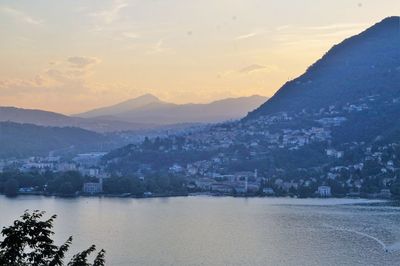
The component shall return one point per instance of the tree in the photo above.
(28, 242)
(11, 187)
(395, 189)
(66, 188)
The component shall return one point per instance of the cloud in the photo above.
(130, 35)
(158, 47)
(257, 68)
(291, 32)
(111, 14)
(63, 76)
(65, 85)
(246, 36)
(250, 34)
(316, 36)
(337, 26)
(20, 15)
(82, 61)
(328, 27)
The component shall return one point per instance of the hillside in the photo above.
(143, 113)
(24, 140)
(46, 118)
(364, 65)
(337, 124)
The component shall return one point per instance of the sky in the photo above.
(71, 56)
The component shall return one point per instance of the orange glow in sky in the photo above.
(71, 56)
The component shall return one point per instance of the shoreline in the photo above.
(197, 194)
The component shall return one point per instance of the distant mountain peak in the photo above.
(147, 96)
(124, 106)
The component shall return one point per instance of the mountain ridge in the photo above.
(21, 140)
(52, 119)
(375, 48)
(149, 115)
(163, 113)
(126, 105)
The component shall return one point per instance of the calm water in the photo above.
(223, 231)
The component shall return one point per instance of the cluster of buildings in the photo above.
(257, 140)
(87, 164)
(249, 183)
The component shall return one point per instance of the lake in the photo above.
(223, 230)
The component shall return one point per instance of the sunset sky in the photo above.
(70, 56)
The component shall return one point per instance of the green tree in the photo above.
(28, 242)
(395, 189)
(11, 187)
(67, 188)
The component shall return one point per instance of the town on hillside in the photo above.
(285, 154)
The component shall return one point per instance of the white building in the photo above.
(89, 159)
(176, 168)
(93, 188)
(204, 183)
(268, 191)
(324, 191)
(334, 153)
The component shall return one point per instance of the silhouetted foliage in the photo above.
(28, 242)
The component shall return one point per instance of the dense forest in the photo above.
(24, 140)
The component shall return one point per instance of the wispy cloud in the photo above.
(246, 36)
(69, 73)
(82, 61)
(112, 13)
(251, 68)
(321, 30)
(295, 35)
(20, 15)
(158, 47)
(130, 35)
(257, 68)
(250, 34)
(337, 26)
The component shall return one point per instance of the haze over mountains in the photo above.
(150, 109)
(27, 132)
(51, 119)
(142, 113)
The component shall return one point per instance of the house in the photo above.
(334, 153)
(176, 168)
(93, 188)
(324, 191)
(204, 183)
(191, 170)
(89, 159)
(26, 190)
(268, 191)
(240, 187)
(253, 187)
(222, 188)
(385, 193)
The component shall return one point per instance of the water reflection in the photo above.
(223, 231)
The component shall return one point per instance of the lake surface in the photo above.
(223, 231)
